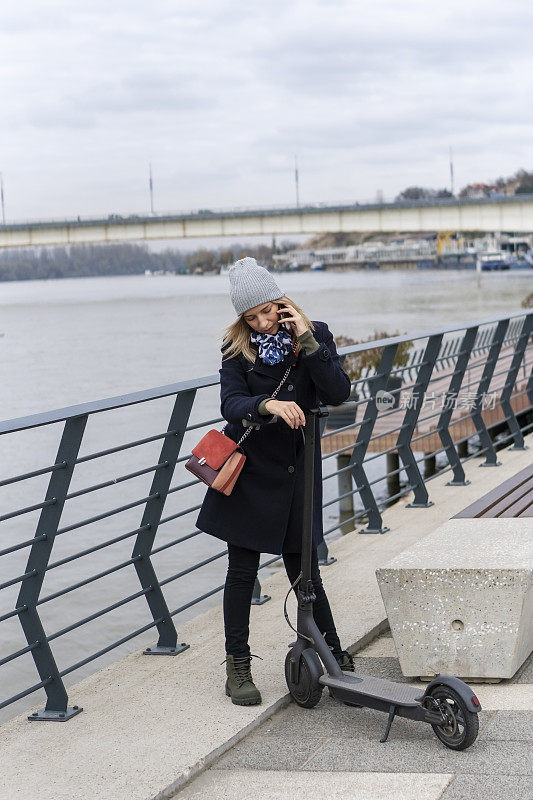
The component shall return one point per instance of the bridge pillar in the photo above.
(430, 465)
(393, 475)
(462, 449)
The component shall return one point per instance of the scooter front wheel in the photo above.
(305, 691)
(460, 726)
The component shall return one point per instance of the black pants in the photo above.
(242, 572)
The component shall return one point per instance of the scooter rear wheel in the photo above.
(461, 727)
(306, 692)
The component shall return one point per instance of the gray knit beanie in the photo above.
(251, 285)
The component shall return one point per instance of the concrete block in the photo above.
(461, 600)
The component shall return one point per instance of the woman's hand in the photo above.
(289, 314)
(287, 410)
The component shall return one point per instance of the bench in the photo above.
(512, 498)
(461, 600)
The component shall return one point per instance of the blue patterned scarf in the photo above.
(273, 347)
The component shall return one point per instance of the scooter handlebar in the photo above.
(319, 411)
(246, 423)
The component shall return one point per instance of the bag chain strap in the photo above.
(272, 396)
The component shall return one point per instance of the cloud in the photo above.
(221, 95)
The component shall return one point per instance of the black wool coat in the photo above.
(264, 511)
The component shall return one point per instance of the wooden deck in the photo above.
(425, 437)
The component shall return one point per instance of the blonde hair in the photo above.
(236, 339)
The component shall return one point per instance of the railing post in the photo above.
(324, 558)
(452, 393)
(510, 380)
(345, 487)
(257, 598)
(488, 371)
(379, 381)
(529, 387)
(168, 636)
(56, 696)
(403, 445)
(444, 356)
(344, 484)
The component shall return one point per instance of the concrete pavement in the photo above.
(333, 751)
(151, 724)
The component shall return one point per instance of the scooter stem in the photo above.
(307, 522)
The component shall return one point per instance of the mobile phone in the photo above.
(286, 325)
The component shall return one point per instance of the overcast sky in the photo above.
(220, 95)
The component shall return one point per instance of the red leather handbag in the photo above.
(217, 460)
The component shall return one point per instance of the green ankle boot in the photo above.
(345, 661)
(239, 685)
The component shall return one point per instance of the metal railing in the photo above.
(51, 538)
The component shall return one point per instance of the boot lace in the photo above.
(242, 668)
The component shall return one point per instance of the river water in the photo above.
(64, 342)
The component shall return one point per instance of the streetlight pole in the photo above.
(451, 170)
(2, 198)
(151, 185)
(296, 182)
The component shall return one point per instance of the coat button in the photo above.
(290, 469)
(324, 354)
(290, 387)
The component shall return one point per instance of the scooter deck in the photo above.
(377, 688)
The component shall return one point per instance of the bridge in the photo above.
(449, 214)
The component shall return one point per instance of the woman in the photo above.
(272, 339)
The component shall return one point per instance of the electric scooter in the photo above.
(447, 703)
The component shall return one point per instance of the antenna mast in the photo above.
(2, 198)
(451, 170)
(151, 185)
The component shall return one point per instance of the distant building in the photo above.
(476, 191)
